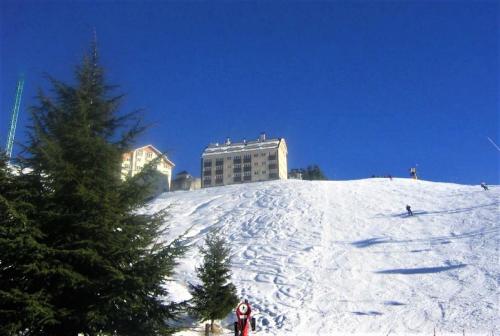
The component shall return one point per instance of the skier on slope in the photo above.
(485, 187)
(408, 209)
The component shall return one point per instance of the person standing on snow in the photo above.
(408, 208)
(485, 187)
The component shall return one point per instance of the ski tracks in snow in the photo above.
(340, 257)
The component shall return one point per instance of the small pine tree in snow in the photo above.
(216, 296)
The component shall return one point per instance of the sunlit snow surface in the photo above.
(323, 258)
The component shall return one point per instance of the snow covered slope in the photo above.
(319, 258)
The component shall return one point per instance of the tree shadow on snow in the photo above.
(450, 211)
(369, 242)
(394, 303)
(439, 240)
(368, 313)
(422, 270)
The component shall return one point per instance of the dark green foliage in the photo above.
(93, 264)
(216, 296)
(312, 172)
(22, 302)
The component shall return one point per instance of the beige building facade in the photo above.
(134, 161)
(232, 163)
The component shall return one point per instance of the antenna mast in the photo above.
(15, 113)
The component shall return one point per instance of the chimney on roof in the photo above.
(262, 136)
(228, 142)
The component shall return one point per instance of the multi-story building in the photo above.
(247, 161)
(134, 161)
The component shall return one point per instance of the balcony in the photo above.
(235, 161)
(273, 166)
(237, 170)
(207, 173)
(247, 169)
(247, 159)
(272, 157)
(219, 172)
(207, 164)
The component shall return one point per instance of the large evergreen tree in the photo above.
(103, 265)
(216, 296)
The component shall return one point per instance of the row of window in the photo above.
(237, 159)
(148, 154)
(237, 168)
(247, 176)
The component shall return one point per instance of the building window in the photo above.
(256, 172)
(207, 163)
(149, 155)
(237, 159)
(139, 153)
(256, 155)
(262, 154)
(219, 162)
(228, 158)
(273, 166)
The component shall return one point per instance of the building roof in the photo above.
(164, 156)
(215, 149)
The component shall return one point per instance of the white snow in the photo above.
(324, 258)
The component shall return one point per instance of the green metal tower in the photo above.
(15, 113)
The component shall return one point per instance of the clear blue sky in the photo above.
(359, 88)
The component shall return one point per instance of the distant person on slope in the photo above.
(408, 208)
(485, 187)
